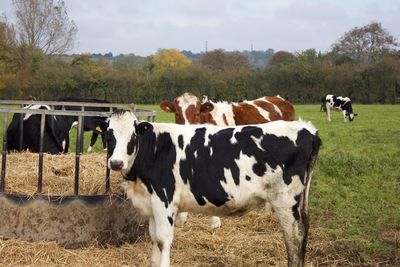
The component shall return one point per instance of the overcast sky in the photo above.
(142, 27)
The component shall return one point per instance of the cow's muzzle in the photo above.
(116, 165)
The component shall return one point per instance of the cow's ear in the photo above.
(207, 107)
(143, 127)
(167, 106)
(355, 114)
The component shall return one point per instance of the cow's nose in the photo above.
(116, 165)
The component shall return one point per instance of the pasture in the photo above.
(354, 209)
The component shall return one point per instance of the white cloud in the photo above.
(141, 27)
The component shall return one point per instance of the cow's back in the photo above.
(262, 110)
(286, 108)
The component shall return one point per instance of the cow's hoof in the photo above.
(215, 222)
(181, 219)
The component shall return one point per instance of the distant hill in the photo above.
(257, 58)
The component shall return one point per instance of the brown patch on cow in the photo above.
(179, 119)
(167, 106)
(286, 108)
(225, 120)
(247, 114)
(273, 114)
(206, 117)
(193, 114)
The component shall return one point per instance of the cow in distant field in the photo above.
(338, 103)
(56, 132)
(171, 168)
(189, 109)
(98, 125)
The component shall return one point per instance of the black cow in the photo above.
(172, 168)
(56, 131)
(338, 103)
(98, 125)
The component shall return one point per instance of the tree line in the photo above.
(363, 64)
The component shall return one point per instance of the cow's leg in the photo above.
(103, 140)
(164, 219)
(344, 115)
(66, 145)
(181, 219)
(92, 141)
(215, 222)
(155, 254)
(295, 229)
(328, 112)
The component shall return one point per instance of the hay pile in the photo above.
(59, 174)
(252, 240)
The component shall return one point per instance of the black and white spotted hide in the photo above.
(338, 103)
(171, 168)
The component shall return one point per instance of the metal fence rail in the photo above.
(62, 103)
(150, 115)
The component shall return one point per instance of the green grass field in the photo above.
(356, 184)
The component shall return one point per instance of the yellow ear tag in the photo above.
(98, 129)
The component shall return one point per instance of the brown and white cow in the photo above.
(189, 109)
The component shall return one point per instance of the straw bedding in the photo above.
(251, 240)
(58, 174)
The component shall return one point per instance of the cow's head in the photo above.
(122, 139)
(187, 108)
(351, 115)
(349, 111)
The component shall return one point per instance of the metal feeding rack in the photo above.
(70, 220)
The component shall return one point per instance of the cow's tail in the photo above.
(316, 143)
(305, 225)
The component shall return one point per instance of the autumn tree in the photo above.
(280, 57)
(6, 57)
(8, 67)
(219, 60)
(168, 59)
(365, 44)
(86, 78)
(44, 25)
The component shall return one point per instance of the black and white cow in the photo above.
(98, 125)
(56, 132)
(338, 103)
(171, 168)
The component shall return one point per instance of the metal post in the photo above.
(78, 153)
(40, 176)
(107, 175)
(4, 153)
(21, 131)
(82, 130)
